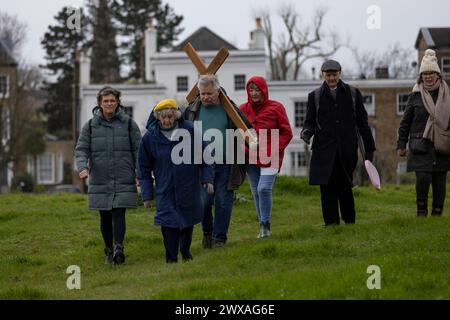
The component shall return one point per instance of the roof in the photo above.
(6, 56)
(434, 37)
(205, 40)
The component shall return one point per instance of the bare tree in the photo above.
(12, 29)
(267, 27)
(19, 125)
(400, 62)
(298, 44)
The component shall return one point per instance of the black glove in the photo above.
(369, 156)
(306, 136)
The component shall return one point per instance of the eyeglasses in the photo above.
(109, 101)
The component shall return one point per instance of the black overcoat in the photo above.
(337, 133)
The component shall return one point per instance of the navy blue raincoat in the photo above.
(177, 186)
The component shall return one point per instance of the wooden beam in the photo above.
(195, 58)
(235, 117)
(229, 108)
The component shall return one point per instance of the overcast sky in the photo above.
(233, 19)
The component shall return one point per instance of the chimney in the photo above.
(257, 38)
(382, 73)
(85, 68)
(151, 42)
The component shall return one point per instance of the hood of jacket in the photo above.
(261, 83)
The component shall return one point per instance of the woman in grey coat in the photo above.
(106, 153)
(427, 112)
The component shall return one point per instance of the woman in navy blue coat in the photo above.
(178, 178)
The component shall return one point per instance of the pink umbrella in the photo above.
(373, 174)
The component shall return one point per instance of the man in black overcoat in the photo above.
(335, 113)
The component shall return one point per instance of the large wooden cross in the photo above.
(213, 67)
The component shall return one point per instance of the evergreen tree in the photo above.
(105, 65)
(133, 16)
(61, 44)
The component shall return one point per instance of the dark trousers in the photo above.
(438, 180)
(112, 226)
(222, 199)
(337, 194)
(175, 239)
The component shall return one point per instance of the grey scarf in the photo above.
(439, 112)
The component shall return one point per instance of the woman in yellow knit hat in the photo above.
(177, 185)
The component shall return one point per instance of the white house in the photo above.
(172, 75)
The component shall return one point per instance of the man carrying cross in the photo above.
(209, 111)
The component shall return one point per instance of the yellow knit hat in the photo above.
(166, 104)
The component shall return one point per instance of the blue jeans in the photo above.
(222, 199)
(261, 187)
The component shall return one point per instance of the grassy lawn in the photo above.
(42, 235)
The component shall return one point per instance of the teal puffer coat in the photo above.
(108, 149)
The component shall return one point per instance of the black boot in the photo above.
(207, 240)
(422, 208)
(187, 257)
(119, 256)
(108, 255)
(436, 211)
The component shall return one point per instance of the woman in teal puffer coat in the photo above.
(106, 153)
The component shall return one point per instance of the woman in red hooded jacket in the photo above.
(274, 133)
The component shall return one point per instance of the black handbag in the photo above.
(417, 144)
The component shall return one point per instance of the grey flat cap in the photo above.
(331, 65)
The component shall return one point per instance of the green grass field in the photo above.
(42, 235)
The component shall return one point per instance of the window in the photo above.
(46, 164)
(239, 82)
(298, 163)
(402, 100)
(446, 67)
(4, 86)
(369, 103)
(129, 111)
(300, 113)
(401, 167)
(301, 159)
(182, 84)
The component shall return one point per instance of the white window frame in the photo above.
(400, 113)
(2, 94)
(239, 88)
(445, 62)
(371, 111)
(179, 78)
(60, 168)
(296, 169)
(6, 134)
(39, 179)
(305, 102)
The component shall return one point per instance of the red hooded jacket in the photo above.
(268, 115)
